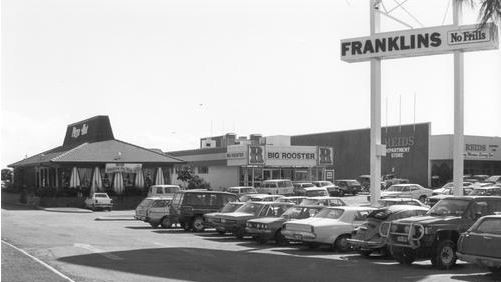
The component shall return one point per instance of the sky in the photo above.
(169, 72)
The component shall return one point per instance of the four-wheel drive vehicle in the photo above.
(366, 238)
(435, 235)
(99, 201)
(163, 190)
(189, 207)
(269, 228)
(481, 244)
(348, 186)
(159, 213)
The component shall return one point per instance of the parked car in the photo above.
(241, 190)
(163, 190)
(142, 208)
(434, 236)
(445, 193)
(323, 201)
(481, 244)
(189, 207)
(213, 219)
(348, 186)
(269, 228)
(259, 197)
(277, 186)
(291, 199)
(366, 238)
(386, 202)
(391, 179)
(414, 191)
(235, 222)
(493, 190)
(480, 177)
(159, 213)
(299, 187)
(494, 179)
(99, 201)
(332, 226)
(447, 189)
(331, 188)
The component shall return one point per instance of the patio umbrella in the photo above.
(139, 182)
(75, 178)
(97, 184)
(118, 183)
(159, 179)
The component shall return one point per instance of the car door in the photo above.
(484, 239)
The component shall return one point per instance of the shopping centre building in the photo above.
(411, 153)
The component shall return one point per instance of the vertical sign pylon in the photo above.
(375, 150)
(458, 144)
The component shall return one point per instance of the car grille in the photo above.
(229, 221)
(298, 227)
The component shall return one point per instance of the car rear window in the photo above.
(330, 213)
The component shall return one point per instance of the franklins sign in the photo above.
(420, 42)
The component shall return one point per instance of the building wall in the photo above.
(407, 145)
(219, 176)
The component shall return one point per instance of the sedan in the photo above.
(332, 226)
(414, 191)
(481, 244)
(213, 219)
(269, 228)
(235, 222)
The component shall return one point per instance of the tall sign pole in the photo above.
(458, 145)
(375, 150)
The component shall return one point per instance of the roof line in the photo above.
(69, 151)
(161, 154)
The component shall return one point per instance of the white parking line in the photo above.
(40, 262)
(97, 251)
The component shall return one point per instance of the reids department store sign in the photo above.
(420, 42)
(122, 167)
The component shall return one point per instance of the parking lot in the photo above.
(120, 249)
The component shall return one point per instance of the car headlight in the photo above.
(428, 230)
(407, 228)
(394, 228)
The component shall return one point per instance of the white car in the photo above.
(332, 226)
(414, 191)
(99, 201)
(323, 201)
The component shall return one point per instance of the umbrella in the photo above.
(139, 179)
(159, 179)
(118, 183)
(96, 181)
(74, 179)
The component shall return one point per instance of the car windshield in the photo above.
(330, 213)
(396, 188)
(146, 203)
(300, 212)
(229, 207)
(448, 185)
(100, 195)
(380, 214)
(454, 207)
(253, 208)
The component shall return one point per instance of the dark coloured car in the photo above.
(348, 186)
(493, 190)
(189, 207)
(366, 239)
(269, 228)
(481, 244)
(235, 222)
(213, 219)
(435, 235)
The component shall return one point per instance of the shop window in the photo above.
(203, 169)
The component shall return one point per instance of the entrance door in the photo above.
(269, 173)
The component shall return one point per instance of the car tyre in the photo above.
(445, 256)
(154, 225)
(198, 224)
(341, 243)
(280, 239)
(166, 223)
(403, 255)
(186, 226)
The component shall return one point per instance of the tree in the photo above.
(185, 173)
(7, 174)
(197, 182)
(490, 10)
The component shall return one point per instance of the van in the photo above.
(163, 190)
(277, 186)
